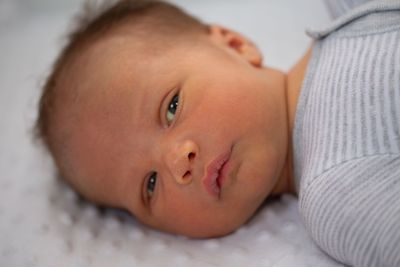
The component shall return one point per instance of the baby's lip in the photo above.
(213, 174)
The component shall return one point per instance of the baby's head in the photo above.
(149, 110)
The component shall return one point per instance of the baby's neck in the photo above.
(294, 81)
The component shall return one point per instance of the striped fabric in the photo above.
(347, 138)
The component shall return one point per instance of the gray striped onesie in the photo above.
(346, 137)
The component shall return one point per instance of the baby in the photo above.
(150, 110)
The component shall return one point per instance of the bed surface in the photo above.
(43, 223)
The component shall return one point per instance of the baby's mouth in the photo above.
(214, 178)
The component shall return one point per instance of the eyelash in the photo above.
(173, 104)
(152, 181)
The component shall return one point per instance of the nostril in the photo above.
(191, 155)
(186, 174)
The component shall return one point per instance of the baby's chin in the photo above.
(203, 232)
(211, 234)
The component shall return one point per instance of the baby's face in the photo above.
(191, 141)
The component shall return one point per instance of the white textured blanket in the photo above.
(42, 223)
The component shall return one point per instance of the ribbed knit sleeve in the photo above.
(353, 211)
(347, 138)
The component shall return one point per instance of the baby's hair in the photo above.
(145, 19)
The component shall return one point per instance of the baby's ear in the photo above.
(237, 42)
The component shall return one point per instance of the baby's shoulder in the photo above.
(361, 18)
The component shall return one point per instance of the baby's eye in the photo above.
(171, 110)
(151, 184)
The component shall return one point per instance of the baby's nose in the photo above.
(180, 161)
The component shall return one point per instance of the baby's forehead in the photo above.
(119, 63)
(101, 65)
